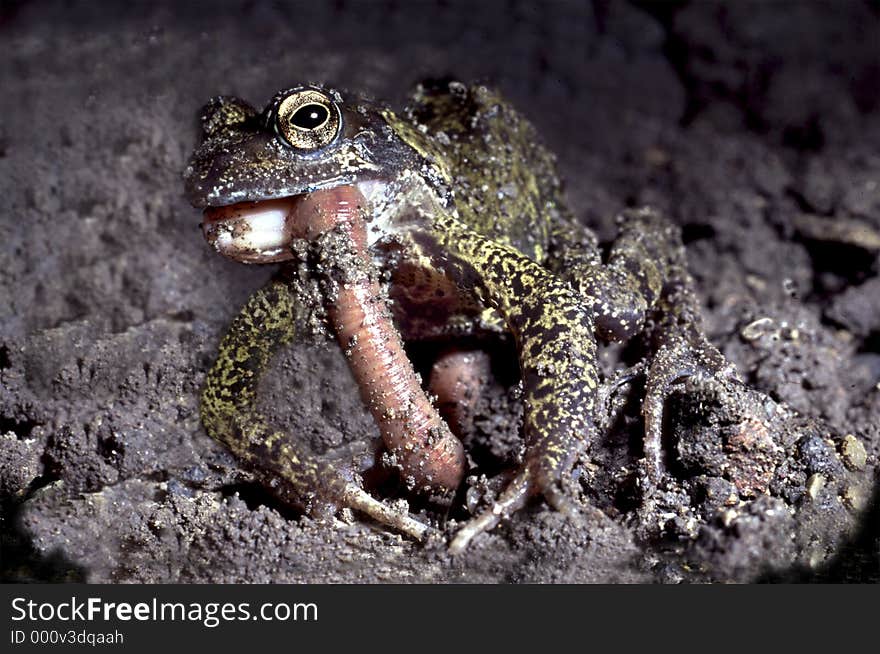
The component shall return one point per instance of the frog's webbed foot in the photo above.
(647, 264)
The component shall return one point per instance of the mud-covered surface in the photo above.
(755, 127)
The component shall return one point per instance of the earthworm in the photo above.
(427, 452)
(457, 377)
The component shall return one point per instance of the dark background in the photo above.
(737, 119)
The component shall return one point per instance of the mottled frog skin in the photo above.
(468, 231)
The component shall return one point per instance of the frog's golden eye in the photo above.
(308, 120)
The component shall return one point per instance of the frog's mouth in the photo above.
(252, 232)
(261, 231)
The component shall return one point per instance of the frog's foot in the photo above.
(516, 494)
(677, 360)
(323, 488)
(512, 498)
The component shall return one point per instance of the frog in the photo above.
(435, 223)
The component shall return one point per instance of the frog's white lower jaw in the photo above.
(261, 232)
(252, 232)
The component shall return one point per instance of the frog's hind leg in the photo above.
(651, 252)
(645, 275)
(229, 413)
(681, 351)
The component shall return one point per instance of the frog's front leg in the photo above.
(557, 352)
(228, 410)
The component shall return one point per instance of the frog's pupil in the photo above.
(310, 116)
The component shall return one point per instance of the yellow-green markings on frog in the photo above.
(229, 413)
(467, 227)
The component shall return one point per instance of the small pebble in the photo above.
(853, 452)
(854, 498)
(727, 517)
(817, 557)
(815, 484)
(757, 328)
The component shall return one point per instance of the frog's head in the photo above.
(250, 165)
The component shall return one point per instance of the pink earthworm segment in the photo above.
(427, 452)
(458, 376)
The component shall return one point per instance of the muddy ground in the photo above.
(755, 127)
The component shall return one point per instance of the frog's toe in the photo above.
(514, 497)
(358, 499)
